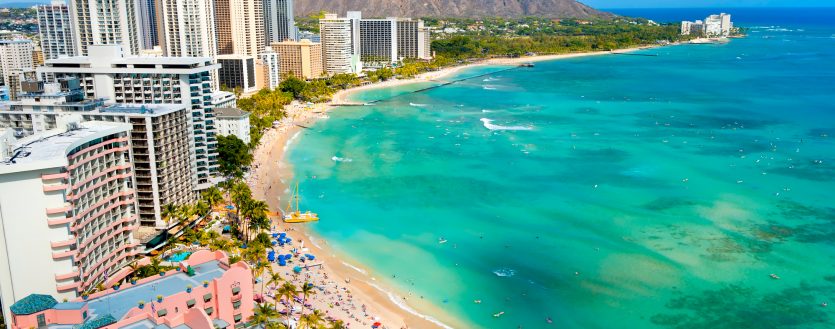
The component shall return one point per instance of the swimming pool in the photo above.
(179, 257)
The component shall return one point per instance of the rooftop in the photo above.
(53, 145)
(230, 112)
(15, 41)
(141, 109)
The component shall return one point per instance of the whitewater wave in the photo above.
(486, 111)
(490, 79)
(355, 268)
(417, 105)
(488, 87)
(291, 140)
(487, 124)
(505, 272)
(400, 303)
(340, 159)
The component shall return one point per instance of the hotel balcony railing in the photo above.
(59, 210)
(58, 244)
(65, 254)
(70, 275)
(69, 286)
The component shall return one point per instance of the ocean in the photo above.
(687, 189)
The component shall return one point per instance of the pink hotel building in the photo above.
(214, 295)
(67, 210)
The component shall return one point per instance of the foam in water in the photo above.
(355, 268)
(340, 159)
(417, 105)
(400, 303)
(505, 272)
(489, 87)
(487, 124)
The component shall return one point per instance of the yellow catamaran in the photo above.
(294, 214)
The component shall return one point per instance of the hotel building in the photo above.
(412, 39)
(272, 68)
(107, 74)
(279, 24)
(301, 58)
(115, 22)
(378, 42)
(69, 222)
(232, 121)
(337, 35)
(204, 292)
(55, 30)
(149, 23)
(188, 28)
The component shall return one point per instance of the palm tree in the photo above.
(312, 320)
(201, 208)
(255, 210)
(307, 290)
(264, 314)
(273, 280)
(213, 196)
(337, 324)
(168, 211)
(287, 290)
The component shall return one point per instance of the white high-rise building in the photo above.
(15, 55)
(279, 24)
(272, 67)
(106, 22)
(378, 42)
(718, 25)
(188, 28)
(68, 210)
(107, 73)
(338, 45)
(55, 30)
(149, 24)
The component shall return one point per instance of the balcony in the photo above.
(51, 188)
(59, 221)
(59, 210)
(58, 244)
(69, 286)
(63, 175)
(65, 254)
(66, 276)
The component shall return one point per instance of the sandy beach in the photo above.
(271, 176)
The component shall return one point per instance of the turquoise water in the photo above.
(603, 192)
(179, 257)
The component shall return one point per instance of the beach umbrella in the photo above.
(273, 243)
(297, 269)
(275, 235)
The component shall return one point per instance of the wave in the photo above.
(487, 124)
(400, 303)
(488, 87)
(505, 272)
(486, 111)
(417, 105)
(290, 141)
(355, 268)
(490, 79)
(339, 159)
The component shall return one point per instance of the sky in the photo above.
(706, 3)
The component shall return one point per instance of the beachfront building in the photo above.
(279, 24)
(232, 121)
(272, 68)
(114, 22)
(14, 55)
(162, 155)
(237, 72)
(69, 219)
(107, 73)
(240, 27)
(205, 292)
(337, 35)
(378, 42)
(55, 30)
(412, 39)
(718, 25)
(302, 59)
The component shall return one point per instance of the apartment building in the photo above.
(14, 55)
(233, 121)
(188, 28)
(107, 73)
(378, 42)
(302, 59)
(240, 27)
(237, 71)
(113, 22)
(70, 219)
(272, 67)
(55, 30)
(149, 23)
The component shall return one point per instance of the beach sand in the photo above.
(270, 179)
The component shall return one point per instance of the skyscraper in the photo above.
(337, 45)
(279, 24)
(378, 42)
(106, 22)
(149, 23)
(107, 73)
(55, 30)
(188, 28)
(240, 27)
(302, 59)
(412, 39)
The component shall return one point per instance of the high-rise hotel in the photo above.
(107, 73)
(55, 30)
(113, 22)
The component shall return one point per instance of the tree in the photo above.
(264, 314)
(312, 320)
(213, 196)
(337, 324)
(232, 156)
(168, 212)
(293, 85)
(307, 290)
(274, 280)
(287, 290)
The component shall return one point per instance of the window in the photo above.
(41, 320)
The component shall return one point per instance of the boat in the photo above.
(294, 214)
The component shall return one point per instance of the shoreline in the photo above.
(272, 173)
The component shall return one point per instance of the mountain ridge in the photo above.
(451, 8)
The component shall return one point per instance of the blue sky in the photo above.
(706, 3)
